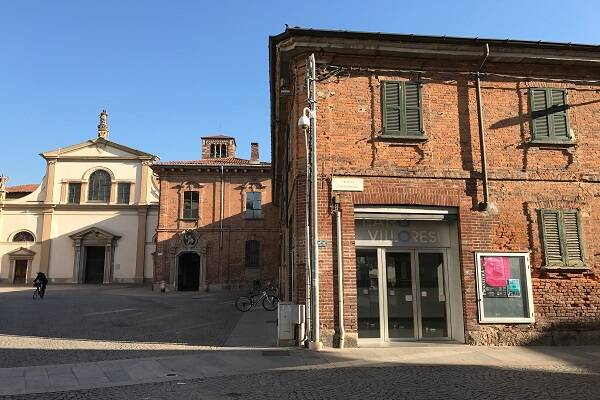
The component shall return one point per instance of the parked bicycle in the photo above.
(266, 296)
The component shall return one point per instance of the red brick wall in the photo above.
(445, 170)
(225, 259)
(230, 143)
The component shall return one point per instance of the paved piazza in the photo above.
(89, 342)
(74, 324)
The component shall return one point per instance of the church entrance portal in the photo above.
(94, 264)
(188, 272)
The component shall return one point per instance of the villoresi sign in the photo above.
(402, 233)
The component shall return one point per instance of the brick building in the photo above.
(465, 174)
(217, 225)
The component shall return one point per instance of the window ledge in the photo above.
(259, 218)
(189, 219)
(558, 143)
(564, 268)
(402, 138)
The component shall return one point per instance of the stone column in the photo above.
(49, 199)
(140, 257)
(47, 219)
(28, 272)
(63, 192)
(203, 285)
(107, 264)
(11, 271)
(144, 182)
(113, 192)
(172, 264)
(84, 189)
(77, 263)
(132, 193)
(46, 240)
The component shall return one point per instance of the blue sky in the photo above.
(169, 72)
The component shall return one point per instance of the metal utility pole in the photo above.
(314, 255)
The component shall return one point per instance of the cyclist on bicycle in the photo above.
(42, 281)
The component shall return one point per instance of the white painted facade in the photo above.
(57, 222)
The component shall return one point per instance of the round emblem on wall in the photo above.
(189, 239)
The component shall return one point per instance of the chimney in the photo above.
(254, 153)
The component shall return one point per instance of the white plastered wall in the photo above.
(80, 170)
(11, 222)
(77, 165)
(120, 223)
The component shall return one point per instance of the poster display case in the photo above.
(504, 291)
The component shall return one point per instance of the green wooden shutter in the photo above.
(553, 248)
(559, 125)
(401, 108)
(549, 117)
(413, 108)
(572, 238)
(391, 106)
(539, 116)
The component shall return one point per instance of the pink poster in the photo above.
(497, 270)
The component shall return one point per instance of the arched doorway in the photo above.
(188, 271)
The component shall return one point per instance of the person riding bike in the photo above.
(42, 281)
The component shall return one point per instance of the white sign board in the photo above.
(343, 184)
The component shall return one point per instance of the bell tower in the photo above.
(218, 146)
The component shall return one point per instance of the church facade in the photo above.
(217, 225)
(91, 220)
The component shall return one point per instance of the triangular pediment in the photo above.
(94, 233)
(97, 148)
(21, 252)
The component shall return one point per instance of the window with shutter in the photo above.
(401, 109)
(572, 238)
(549, 117)
(562, 238)
(253, 205)
(252, 254)
(123, 192)
(191, 204)
(74, 193)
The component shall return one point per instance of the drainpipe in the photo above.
(221, 224)
(340, 272)
(222, 205)
(307, 237)
(484, 205)
(312, 103)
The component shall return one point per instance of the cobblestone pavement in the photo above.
(384, 382)
(129, 343)
(75, 324)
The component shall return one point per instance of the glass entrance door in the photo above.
(401, 294)
(367, 296)
(432, 295)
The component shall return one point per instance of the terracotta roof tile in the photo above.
(22, 188)
(215, 161)
(217, 137)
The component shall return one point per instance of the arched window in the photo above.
(23, 236)
(99, 186)
(218, 150)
